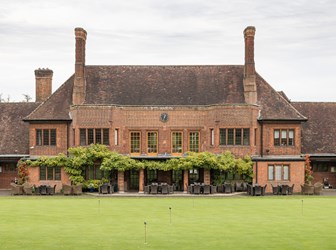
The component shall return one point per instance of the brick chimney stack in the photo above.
(78, 95)
(43, 84)
(250, 88)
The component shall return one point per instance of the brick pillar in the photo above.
(141, 180)
(249, 81)
(206, 176)
(121, 181)
(78, 94)
(185, 181)
(43, 84)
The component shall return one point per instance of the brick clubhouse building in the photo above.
(160, 112)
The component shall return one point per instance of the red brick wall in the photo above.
(268, 140)
(34, 179)
(61, 140)
(296, 175)
(183, 119)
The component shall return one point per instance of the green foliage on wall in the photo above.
(99, 155)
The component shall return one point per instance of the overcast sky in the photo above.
(295, 43)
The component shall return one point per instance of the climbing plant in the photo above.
(99, 155)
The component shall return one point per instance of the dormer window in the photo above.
(283, 137)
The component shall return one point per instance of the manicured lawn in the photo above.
(296, 222)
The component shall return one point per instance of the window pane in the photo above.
(212, 137)
(82, 137)
(283, 137)
(276, 137)
(43, 174)
(291, 137)
(246, 136)
(230, 136)
(98, 173)
(151, 176)
(50, 173)
(106, 136)
(271, 172)
(286, 173)
(46, 137)
(53, 137)
(90, 136)
(38, 137)
(222, 136)
(57, 173)
(116, 137)
(135, 142)
(98, 137)
(152, 142)
(238, 136)
(177, 142)
(194, 141)
(278, 173)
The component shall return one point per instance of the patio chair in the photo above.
(164, 189)
(275, 189)
(227, 188)
(238, 186)
(51, 190)
(257, 190)
(154, 189)
(326, 183)
(197, 189)
(290, 189)
(249, 189)
(77, 189)
(263, 190)
(27, 188)
(67, 189)
(244, 186)
(147, 189)
(43, 190)
(104, 189)
(206, 189)
(318, 188)
(213, 189)
(16, 189)
(171, 189)
(284, 189)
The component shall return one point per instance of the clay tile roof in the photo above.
(164, 85)
(14, 133)
(57, 106)
(275, 105)
(319, 132)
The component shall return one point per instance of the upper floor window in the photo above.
(88, 136)
(177, 142)
(194, 141)
(46, 137)
(234, 136)
(283, 137)
(152, 142)
(135, 142)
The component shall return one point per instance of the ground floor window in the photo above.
(50, 173)
(194, 176)
(278, 172)
(151, 176)
(93, 173)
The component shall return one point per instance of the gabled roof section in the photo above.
(57, 106)
(319, 132)
(275, 106)
(14, 133)
(164, 85)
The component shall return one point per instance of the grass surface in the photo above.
(296, 222)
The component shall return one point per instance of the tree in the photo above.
(27, 98)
